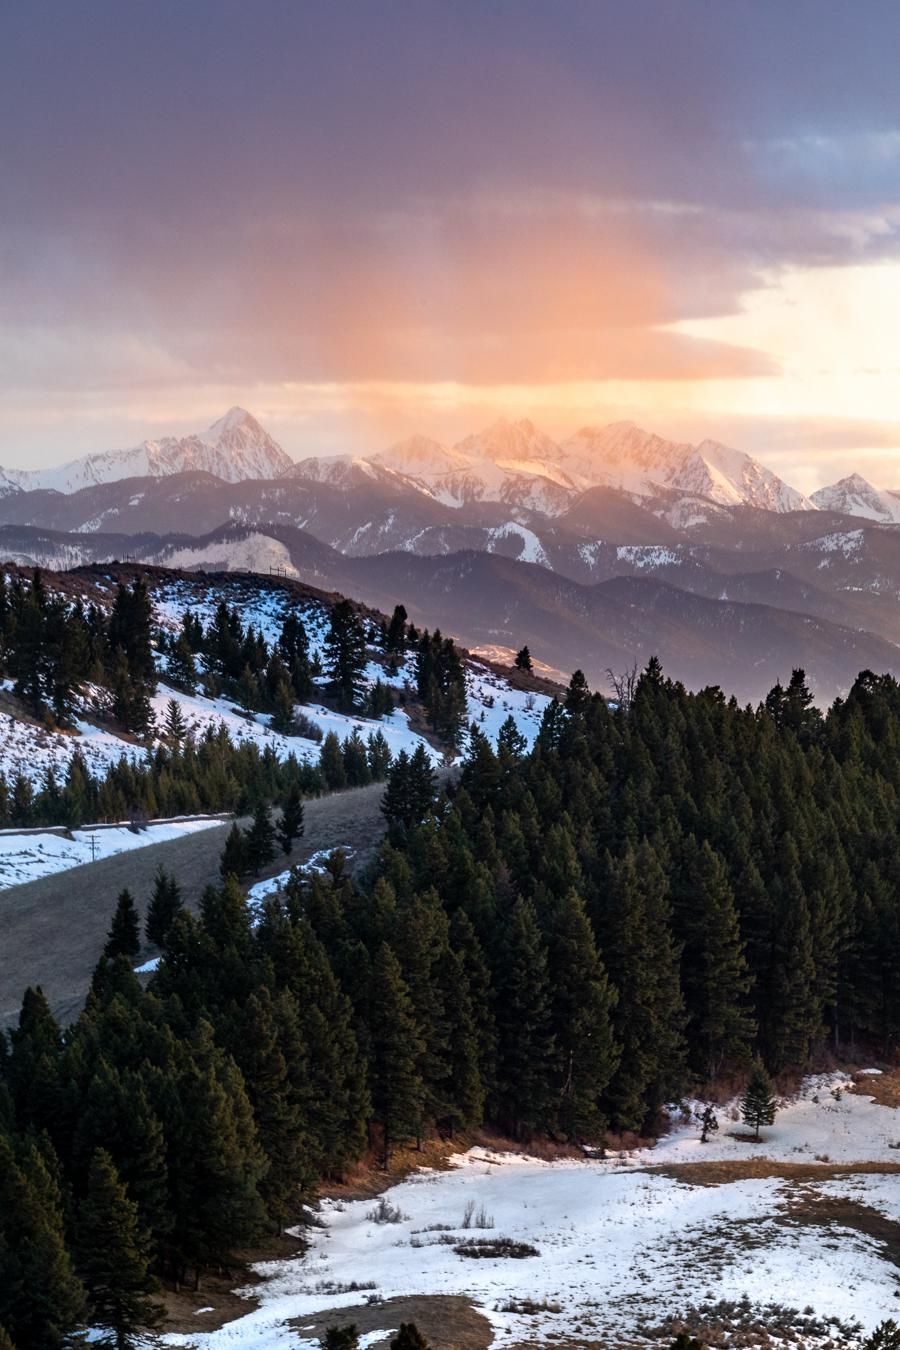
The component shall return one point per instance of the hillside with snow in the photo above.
(35, 753)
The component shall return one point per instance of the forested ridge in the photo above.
(563, 942)
(67, 660)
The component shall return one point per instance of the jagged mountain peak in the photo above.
(623, 455)
(235, 448)
(856, 496)
(235, 417)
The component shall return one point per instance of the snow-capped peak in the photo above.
(234, 448)
(855, 496)
(624, 456)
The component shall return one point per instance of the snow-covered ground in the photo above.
(201, 713)
(621, 1248)
(491, 699)
(272, 885)
(27, 856)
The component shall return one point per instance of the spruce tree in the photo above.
(395, 638)
(165, 903)
(527, 1055)
(331, 763)
(41, 1298)
(174, 725)
(886, 1336)
(398, 1093)
(523, 660)
(181, 669)
(260, 840)
(715, 978)
(234, 861)
(124, 938)
(290, 826)
(582, 1001)
(114, 1257)
(709, 1123)
(758, 1104)
(642, 960)
(345, 649)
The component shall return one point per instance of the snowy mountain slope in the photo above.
(234, 549)
(510, 462)
(624, 456)
(855, 496)
(234, 448)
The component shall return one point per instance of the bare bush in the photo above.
(385, 1212)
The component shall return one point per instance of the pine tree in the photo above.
(378, 754)
(886, 1336)
(174, 726)
(181, 669)
(758, 1104)
(715, 978)
(234, 855)
(527, 1056)
(523, 660)
(41, 1298)
(395, 638)
(260, 840)
(409, 1338)
(114, 1257)
(709, 1123)
(396, 804)
(582, 1001)
(164, 905)
(216, 1163)
(345, 648)
(283, 717)
(277, 1113)
(642, 960)
(290, 826)
(356, 765)
(124, 938)
(331, 763)
(398, 1093)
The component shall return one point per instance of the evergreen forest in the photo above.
(660, 893)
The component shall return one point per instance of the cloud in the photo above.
(226, 197)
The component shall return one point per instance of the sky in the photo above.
(363, 218)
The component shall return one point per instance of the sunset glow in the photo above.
(577, 214)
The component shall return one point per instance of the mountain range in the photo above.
(234, 448)
(597, 550)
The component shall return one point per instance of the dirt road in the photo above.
(52, 930)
